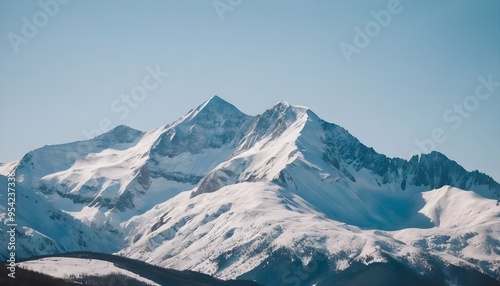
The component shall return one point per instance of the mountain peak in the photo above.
(120, 134)
(285, 104)
(213, 107)
(212, 124)
(217, 98)
(216, 102)
(282, 103)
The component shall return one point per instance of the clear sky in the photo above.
(64, 68)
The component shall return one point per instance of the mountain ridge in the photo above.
(256, 184)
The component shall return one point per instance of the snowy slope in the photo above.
(466, 229)
(221, 192)
(245, 222)
(5, 168)
(242, 223)
(42, 228)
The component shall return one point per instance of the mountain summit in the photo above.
(254, 197)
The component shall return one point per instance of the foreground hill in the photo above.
(104, 269)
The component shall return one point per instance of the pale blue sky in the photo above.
(65, 78)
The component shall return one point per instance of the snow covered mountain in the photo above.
(263, 197)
